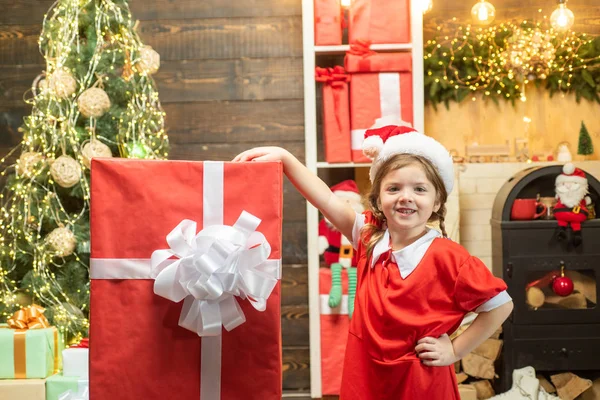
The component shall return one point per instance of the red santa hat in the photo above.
(347, 189)
(382, 143)
(571, 174)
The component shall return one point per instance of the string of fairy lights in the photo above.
(499, 61)
(96, 98)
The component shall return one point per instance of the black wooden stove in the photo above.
(549, 338)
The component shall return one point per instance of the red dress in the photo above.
(392, 314)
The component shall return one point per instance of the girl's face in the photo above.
(407, 199)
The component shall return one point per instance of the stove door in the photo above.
(542, 294)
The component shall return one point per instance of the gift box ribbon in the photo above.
(209, 270)
(337, 79)
(30, 317)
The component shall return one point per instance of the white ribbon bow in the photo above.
(213, 266)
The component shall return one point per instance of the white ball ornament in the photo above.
(62, 241)
(94, 148)
(27, 162)
(149, 61)
(93, 102)
(62, 83)
(65, 171)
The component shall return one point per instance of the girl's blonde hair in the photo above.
(374, 232)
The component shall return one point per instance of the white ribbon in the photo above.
(81, 394)
(389, 104)
(213, 266)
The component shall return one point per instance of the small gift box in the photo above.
(336, 113)
(166, 289)
(76, 360)
(60, 387)
(381, 89)
(22, 389)
(379, 21)
(334, 333)
(329, 20)
(29, 346)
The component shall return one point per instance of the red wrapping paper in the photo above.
(373, 74)
(336, 113)
(334, 335)
(379, 21)
(329, 21)
(139, 350)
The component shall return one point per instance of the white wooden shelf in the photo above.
(341, 49)
(325, 165)
(311, 55)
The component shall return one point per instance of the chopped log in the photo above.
(484, 389)
(535, 297)
(585, 285)
(489, 349)
(569, 385)
(572, 301)
(478, 367)
(545, 383)
(467, 392)
(592, 393)
(461, 377)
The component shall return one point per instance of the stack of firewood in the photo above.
(476, 370)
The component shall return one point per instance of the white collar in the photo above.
(407, 258)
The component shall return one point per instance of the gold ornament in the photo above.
(93, 102)
(149, 61)
(94, 148)
(62, 83)
(27, 163)
(65, 171)
(62, 241)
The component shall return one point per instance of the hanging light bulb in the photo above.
(483, 13)
(425, 5)
(346, 3)
(562, 18)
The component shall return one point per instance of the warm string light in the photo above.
(32, 203)
(499, 61)
(562, 18)
(483, 13)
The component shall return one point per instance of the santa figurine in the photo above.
(571, 190)
(337, 249)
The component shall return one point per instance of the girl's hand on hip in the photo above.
(436, 352)
(262, 154)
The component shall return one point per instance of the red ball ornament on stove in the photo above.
(562, 285)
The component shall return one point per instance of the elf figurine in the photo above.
(337, 249)
(571, 188)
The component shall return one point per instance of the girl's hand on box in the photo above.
(262, 154)
(436, 352)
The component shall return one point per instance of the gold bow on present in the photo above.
(30, 317)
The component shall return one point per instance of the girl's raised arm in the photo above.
(337, 211)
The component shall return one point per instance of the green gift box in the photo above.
(58, 384)
(29, 353)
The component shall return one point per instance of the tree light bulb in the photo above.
(562, 18)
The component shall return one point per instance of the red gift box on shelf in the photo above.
(379, 21)
(160, 296)
(381, 89)
(334, 333)
(329, 20)
(336, 113)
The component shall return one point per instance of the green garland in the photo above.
(499, 61)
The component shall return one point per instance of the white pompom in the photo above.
(372, 146)
(568, 168)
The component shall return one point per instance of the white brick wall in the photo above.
(478, 185)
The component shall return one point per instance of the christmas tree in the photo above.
(585, 146)
(95, 98)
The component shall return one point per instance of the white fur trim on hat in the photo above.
(562, 178)
(372, 146)
(421, 145)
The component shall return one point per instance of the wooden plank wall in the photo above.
(230, 79)
(553, 120)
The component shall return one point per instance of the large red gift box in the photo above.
(328, 22)
(379, 21)
(140, 350)
(381, 89)
(336, 113)
(334, 333)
